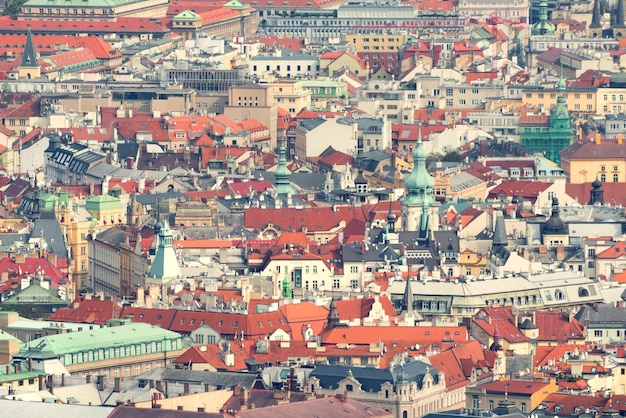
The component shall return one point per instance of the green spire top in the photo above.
(286, 287)
(419, 183)
(282, 174)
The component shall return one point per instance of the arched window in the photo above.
(583, 292)
(615, 178)
(405, 414)
(386, 393)
(603, 177)
(558, 295)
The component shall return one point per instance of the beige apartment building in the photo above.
(579, 99)
(291, 96)
(254, 101)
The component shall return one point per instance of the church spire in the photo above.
(29, 65)
(419, 183)
(165, 263)
(407, 300)
(29, 56)
(619, 15)
(595, 18)
(282, 175)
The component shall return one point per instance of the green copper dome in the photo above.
(543, 26)
(419, 183)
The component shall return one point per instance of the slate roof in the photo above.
(601, 315)
(223, 379)
(371, 379)
(48, 227)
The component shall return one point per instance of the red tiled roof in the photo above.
(292, 44)
(360, 308)
(519, 188)
(556, 326)
(504, 329)
(568, 403)
(32, 267)
(613, 192)
(121, 24)
(454, 363)
(515, 387)
(89, 311)
(159, 317)
(389, 334)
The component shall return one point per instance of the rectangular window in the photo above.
(314, 269)
(597, 333)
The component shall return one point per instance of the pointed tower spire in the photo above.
(391, 218)
(29, 65)
(282, 175)
(619, 15)
(407, 301)
(595, 19)
(165, 263)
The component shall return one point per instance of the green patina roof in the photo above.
(91, 4)
(103, 202)
(12, 377)
(5, 336)
(36, 294)
(47, 201)
(236, 4)
(321, 83)
(187, 15)
(80, 341)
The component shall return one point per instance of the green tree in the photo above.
(13, 8)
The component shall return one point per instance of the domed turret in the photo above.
(419, 183)
(543, 26)
(555, 225)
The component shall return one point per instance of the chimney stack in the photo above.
(117, 385)
(598, 139)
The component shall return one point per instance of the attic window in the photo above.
(219, 324)
(427, 333)
(140, 316)
(269, 323)
(193, 321)
(158, 317)
(260, 324)
(182, 321)
(235, 324)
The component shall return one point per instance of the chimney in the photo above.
(140, 296)
(159, 386)
(118, 385)
(88, 378)
(570, 315)
(620, 139)
(560, 252)
(101, 382)
(149, 302)
(245, 397)
(598, 139)
(186, 389)
(63, 379)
